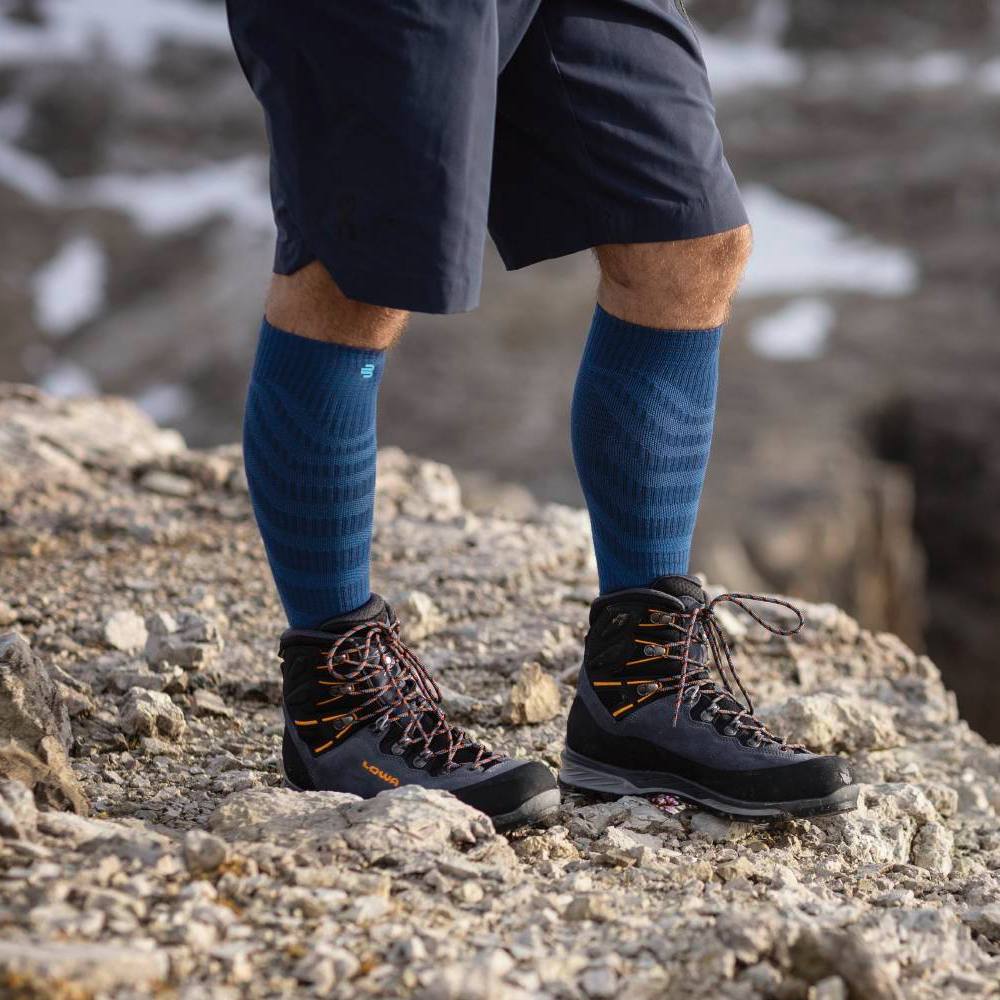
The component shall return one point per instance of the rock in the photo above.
(124, 630)
(166, 483)
(279, 814)
(207, 702)
(189, 641)
(150, 713)
(835, 723)
(533, 697)
(18, 815)
(253, 889)
(816, 956)
(932, 847)
(35, 729)
(203, 852)
(831, 988)
(985, 921)
(419, 615)
(590, 906)
(717, 828)
(89, 967)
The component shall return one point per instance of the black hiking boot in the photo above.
(362, 715)
(649, 717)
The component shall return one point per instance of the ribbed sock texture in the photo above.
(309, 448)
(642, 419)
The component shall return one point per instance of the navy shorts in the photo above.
(401, 129)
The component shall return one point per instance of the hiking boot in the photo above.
(649, 717)
(362, 715)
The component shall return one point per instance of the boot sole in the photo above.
(609, 782)
(529, 812)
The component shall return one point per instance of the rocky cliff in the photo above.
(159, 855)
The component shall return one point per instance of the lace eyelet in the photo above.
(397, 748)
(708, 714)
(694, 695)
(382, 724)
(730, 730)
(420, 760)
(347, 720)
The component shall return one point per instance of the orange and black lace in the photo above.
(701, 626)
(371, 660)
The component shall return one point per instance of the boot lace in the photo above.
(699, 627)
(371, 660)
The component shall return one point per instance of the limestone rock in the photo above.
(35, 729)
(18, 815)
(189, 641)
(278, 814)
(94, 968)
(203, 852)
(932, 848)
(150, 713)
(124, 630)
(419, 615)
(533, 697)
(835, 723)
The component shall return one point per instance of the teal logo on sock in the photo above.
(368, 370)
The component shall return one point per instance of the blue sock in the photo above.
(643, 411)
(309, 449)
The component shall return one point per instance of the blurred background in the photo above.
(857, 456)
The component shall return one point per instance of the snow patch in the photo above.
(69, 290)
(67, 380)
(798, 331)
(743, 64)
(165, 402)
(164, 202)
(129, 30)
(800, 248)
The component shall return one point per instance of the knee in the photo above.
(309, 303)
(685, 284)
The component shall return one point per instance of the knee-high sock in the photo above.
(643, 412)
(309, 449)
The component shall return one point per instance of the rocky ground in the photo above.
(160, 856)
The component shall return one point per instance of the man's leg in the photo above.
(644, 405)
(309, 441)
(649, 716)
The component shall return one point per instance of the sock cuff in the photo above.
(288, 359)
(615, 343)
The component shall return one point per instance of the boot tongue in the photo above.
(687, 590)
(374, 609)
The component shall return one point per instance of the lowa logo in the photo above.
(389, 779)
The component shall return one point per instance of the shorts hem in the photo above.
(420, 293)
(655, 225)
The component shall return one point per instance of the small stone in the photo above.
(189, 641)
(831, 988)
(203, 852)
(932, 848)
(599, 982)
(469, 892)
(150, 713)
(589, 906)
(985, 921)
(18, 814)
(419, 614)
(207, 702)
(167, 484)
(368, 909)
(718, 829)
(125, 630)
(741, 867)
(534, 697)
